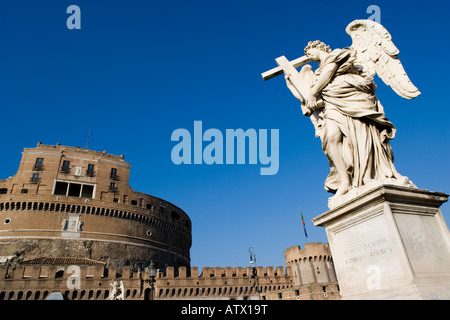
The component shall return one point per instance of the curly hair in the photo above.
(319, 45)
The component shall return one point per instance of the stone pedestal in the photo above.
(390, 243)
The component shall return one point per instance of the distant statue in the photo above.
(117, 291)
(13, 262)
(340, 99)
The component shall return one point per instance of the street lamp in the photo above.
(152, 274)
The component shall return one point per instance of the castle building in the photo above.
(72, 202)
(70, 224)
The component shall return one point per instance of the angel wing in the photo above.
(376, 53)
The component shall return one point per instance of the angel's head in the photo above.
(314, 48)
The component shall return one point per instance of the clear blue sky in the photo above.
(138, 70)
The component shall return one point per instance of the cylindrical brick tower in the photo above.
(313, 264)
(73, 202)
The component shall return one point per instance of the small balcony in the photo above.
(90, 173)
(38, 167)
(65, 170)
(35, 179)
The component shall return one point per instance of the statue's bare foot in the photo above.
(343, 189)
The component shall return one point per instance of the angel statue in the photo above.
(117, 290)
(339, 97)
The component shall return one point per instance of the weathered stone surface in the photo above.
(391, 242)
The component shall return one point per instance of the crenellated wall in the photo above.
(33, 280)
(220, 283)
(314, 279)
(74, 281)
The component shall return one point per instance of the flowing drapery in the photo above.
(350, 102)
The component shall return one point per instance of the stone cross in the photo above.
(280, 70)
(289, 68)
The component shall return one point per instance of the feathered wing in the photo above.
(376, 53)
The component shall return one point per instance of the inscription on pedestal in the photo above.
(367, 246)
(367, 251)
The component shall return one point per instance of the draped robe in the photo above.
(350, 102)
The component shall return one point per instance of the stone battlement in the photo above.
(219, 272)
(35, 279)
(312, 251)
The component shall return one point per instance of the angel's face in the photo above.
(313, 54)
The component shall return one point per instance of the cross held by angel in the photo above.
(339, 97)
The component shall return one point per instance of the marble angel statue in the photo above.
(117, 290)
(340, 99)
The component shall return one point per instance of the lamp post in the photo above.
(152, 274)
(251, 251)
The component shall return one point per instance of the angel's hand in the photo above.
(311, 101)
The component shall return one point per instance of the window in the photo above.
(27, 272)
(43, 272)
(61, 188)
(39, 164)
(133, 202)
(175, 215)
(112, 186)
(113, 173)
(161, 210)
(73, 189)
(90, 272)
(87, 191)
(3, 191)
(90, 170)
(35, 178)
(65, 166)
(59, 274)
